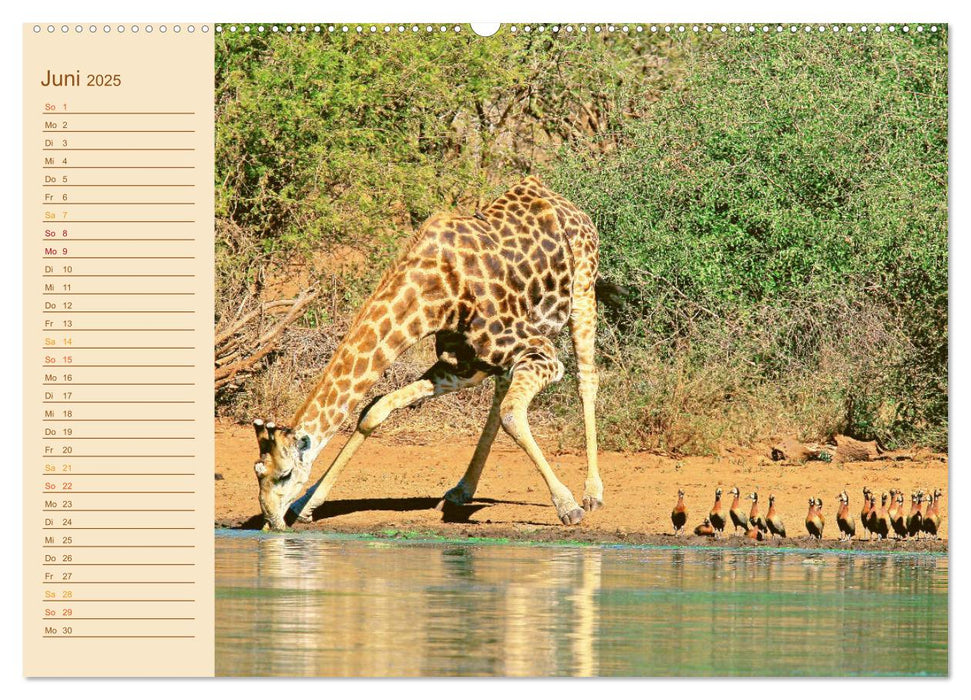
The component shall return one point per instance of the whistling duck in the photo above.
(753, 533)
(865, 513)
(899, 520)
(755, 518)
(844, 519)
(737, 513)
(716, 516)
(915, 519)
(881, 524)
(819, 514)
(892, 508)
(705, 529)
(932, 517)
(814, 523)
(679, 516)
(874, 512)
(773, 521)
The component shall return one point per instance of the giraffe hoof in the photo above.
(305, 518)
(572, 517)
(591, 504)
(456, 496)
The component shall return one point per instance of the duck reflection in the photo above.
(306, 606)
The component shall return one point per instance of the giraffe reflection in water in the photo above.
(328, 606)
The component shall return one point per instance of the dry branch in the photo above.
(246, 331)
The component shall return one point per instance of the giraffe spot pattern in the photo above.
(492, 288)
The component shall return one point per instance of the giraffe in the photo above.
(494, 289)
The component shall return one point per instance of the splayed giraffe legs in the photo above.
(463, 492)
(535, 369)
(438, 380)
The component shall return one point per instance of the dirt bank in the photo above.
(391, 488)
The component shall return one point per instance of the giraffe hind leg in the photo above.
(534, 370)
(463, 492)
(438, 380)
(583, 331)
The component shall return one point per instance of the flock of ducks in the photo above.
(876, 522)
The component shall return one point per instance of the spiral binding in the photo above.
(520, 29)
(122, 28)
(629, 29)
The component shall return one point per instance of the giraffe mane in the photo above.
(391, 270)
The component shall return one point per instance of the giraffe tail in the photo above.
(613, 295)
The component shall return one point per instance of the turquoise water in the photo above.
(328, 606)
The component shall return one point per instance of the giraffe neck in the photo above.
(390, 323)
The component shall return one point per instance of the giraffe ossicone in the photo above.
(494, 289)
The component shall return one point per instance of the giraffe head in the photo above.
(281, 471)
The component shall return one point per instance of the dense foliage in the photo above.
(777, 204)
(348, 141)
(803, 177)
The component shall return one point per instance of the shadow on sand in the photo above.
(451, 513)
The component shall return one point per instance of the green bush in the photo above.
(791, 172)
(330, 142)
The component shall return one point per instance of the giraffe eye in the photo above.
(303, 444)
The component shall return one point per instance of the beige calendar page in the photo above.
(118, 280)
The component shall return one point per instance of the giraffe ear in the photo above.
(260, 427)
(262, 438)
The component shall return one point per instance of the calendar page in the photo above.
(539, 349)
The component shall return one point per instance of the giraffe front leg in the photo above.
(532, 372)
(438, 380)
(370, 419)
(583, 330)
(463, 492)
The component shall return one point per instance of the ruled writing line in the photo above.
(118, 221)
(125, 240)
(110, 204)
(121, 600)
(72, 366)
(119, 167)
(120, 636)
(72, 564)
(126, 113)
(122, 402)
(69, 384)
(72, 617)
(72, 491)
(118, 131)
(116, 149)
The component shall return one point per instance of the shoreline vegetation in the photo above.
(555, 536)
